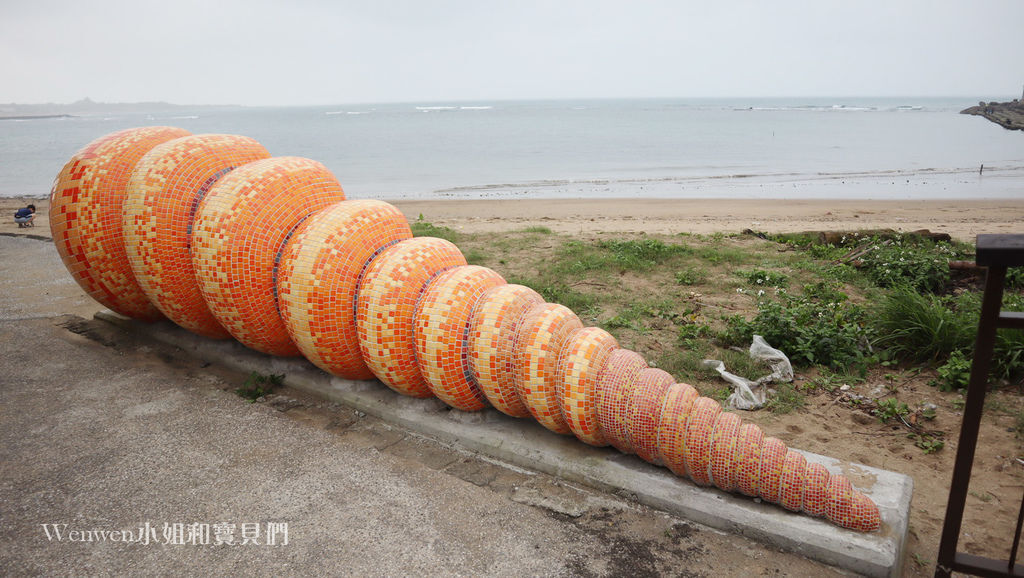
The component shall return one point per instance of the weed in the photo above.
(983, 496)
(926, 327)
(786, 399)
(828, 291)
(717, 255)
(537, 229)
(720, 394)
(905, 261)
(954, 374)
(691, 276)
(258, 385)
(421, 228)
(475, 257)
(562, 293)
(633, 313)
(810, 332)
(762, 278)
(689, 333)
(929, 443)
(919, 327)
(921, 561)
(642, 255)
(829, 381)
(891, 408)
(1014, 278)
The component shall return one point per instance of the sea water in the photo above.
(675, 148)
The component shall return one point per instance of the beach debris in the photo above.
(751, 395)
(287, 266)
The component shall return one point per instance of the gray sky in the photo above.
(265, 52)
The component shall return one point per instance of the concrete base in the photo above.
(525, 443)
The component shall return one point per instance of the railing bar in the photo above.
(980, 566)
(1016, 537)
(1011, 320)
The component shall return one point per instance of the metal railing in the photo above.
(997, 253)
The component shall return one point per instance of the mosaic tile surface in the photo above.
(583, 358)
(644, 404)
(163, 196)
(613, 389)
(748, 459)
(492, 333)
(840, 509)
(672, 430)
(442, 333)
(318, 280)
(773, 455)
(698, 439)
(86, 205)
(240, 228)
(387, 300)
(792, 481)
(816, 479)
(722, 469)
(543, 333)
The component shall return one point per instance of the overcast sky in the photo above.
(265, 52)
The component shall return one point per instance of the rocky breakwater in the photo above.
(1009, 115)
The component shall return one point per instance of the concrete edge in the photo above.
(527, 444)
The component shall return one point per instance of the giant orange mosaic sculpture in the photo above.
(285, 265)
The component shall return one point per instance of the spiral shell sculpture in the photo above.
(225, 240)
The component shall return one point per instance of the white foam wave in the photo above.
(475, 107)
(187, 116)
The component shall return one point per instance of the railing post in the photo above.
(984, 344)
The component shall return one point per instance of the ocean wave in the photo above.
(186, 116)
(475, 107)
(773, 178)
(433, 108)
(832, 108)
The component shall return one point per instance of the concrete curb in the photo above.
(527, 444)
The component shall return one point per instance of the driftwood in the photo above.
(969, 266)
(841, 238)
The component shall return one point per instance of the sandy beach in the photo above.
(962, 219)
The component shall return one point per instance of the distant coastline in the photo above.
(88, 107)
(35, 116)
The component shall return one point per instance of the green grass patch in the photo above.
(691, 276)
(786, 399)
(421, 228)
(763, 278)
(536, 229)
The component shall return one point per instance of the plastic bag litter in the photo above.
(749, 394)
